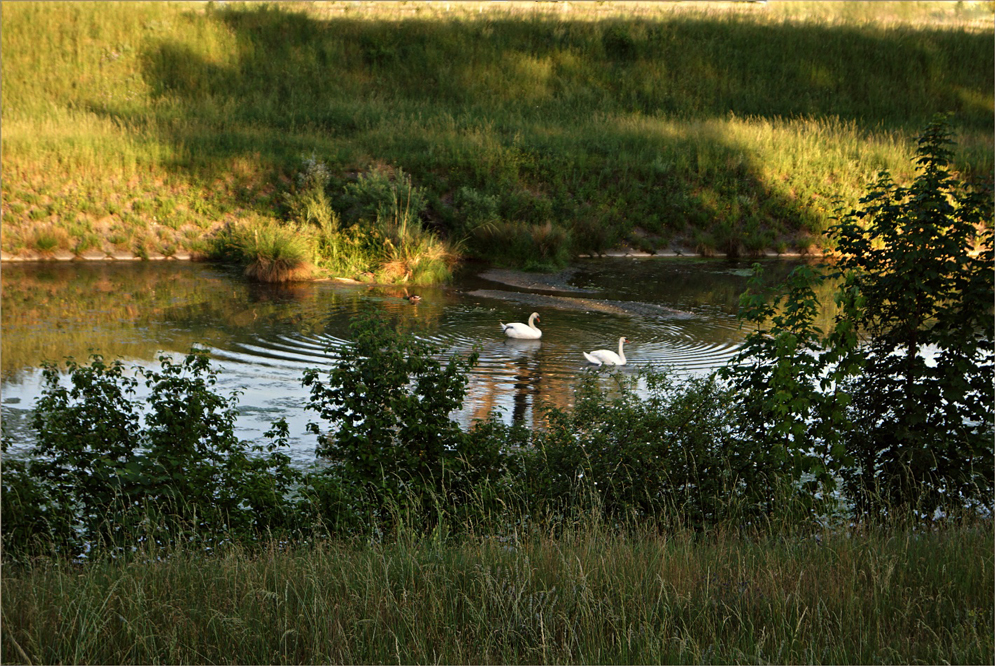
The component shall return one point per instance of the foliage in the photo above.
(387, 404)
(32, 523)
(384, 238)
(532, 246)
(923, 429)
(269, 251)
(788, 377)
(113, 468)
(307, 201)
(906, 433)
(476, 209)
(383, 197)
(671, 455)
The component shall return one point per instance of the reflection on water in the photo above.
(677, 313)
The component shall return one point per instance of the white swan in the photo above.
(603, 356)
(523, 331)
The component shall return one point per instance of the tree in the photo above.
(921, 258)
(897, 397)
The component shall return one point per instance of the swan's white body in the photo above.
(606, 357)
(523, 331)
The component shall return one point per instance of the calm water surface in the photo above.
(677, 314)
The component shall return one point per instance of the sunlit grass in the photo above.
(725, 125)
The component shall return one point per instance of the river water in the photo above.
(678, 314)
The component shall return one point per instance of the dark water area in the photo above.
(678, 314)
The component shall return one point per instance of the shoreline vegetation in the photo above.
(386, 142)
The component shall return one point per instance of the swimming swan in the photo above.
(603, 356)
(523, 331)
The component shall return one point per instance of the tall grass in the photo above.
(685, 122)
(269, 252)
(588, 595)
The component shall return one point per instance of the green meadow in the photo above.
(391, 140)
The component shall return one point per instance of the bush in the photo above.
(788, 379)
(906, 434)
(476, 209)
(384, 197)
(113, 473)
(32, 522)
(530, 246)
(384, 237)
(671, 455)
(923, 431)
(307, 201)
(390, 437)
(269, 251)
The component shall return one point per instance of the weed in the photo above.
(47, 240)
(273, 253)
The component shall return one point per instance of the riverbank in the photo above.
(527, 135)
(96, 255)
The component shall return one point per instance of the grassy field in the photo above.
(534, 131)
(587, 596)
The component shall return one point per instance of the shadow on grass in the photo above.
(556, 118)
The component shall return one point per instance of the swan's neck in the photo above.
(621, 354)
(532, 321)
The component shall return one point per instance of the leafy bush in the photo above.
(905, 433)
(531, 246)
(112, 472)
(269, 251)
(384, 197)
(384, 237)
(32, 524)
(788, 378)
(476, 209)
(307, 201)
(670, 455)
(923, 431)
(390, 437)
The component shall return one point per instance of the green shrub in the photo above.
(307, 201)
(270, 252)
(32, 522)
(788, 384)
(906, 434)
(114, 475)
(671, 455)
(475, 209)
(923, 431)
(389, 434)
(532, 247)
(383, 196)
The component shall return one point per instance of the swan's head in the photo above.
(535, 317)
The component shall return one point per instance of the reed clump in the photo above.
(273, 253)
